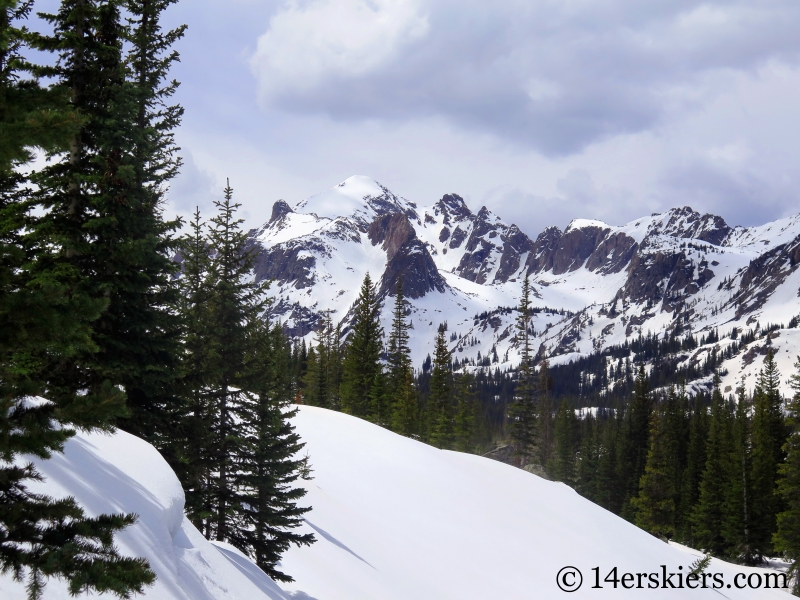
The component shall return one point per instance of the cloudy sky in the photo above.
(543, 110)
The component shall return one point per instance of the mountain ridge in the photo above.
(669, 273)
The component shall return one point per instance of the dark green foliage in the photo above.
(465, 421)
(634, 443)
(736, 528)
(693, 474)
(709, 513)
(402, 397)
(787, 536)
(46, 320)
(269, 463)
(362, 356)
(522, 412)
(440, 400)
(241, 452)
(562, 465)
(655, 504)
(768, 438)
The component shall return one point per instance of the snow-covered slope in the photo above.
(597, 284)
(395, 520)
(121, 473)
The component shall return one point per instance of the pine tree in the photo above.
(522, 411)
(43, 320)
(736, 528)
(768, 438)
(655, 503)
(709, 513)
(787, 536)
(676, 444)
(236, 307)
(269, 463)
(198, 369)
(634, 442)
(562, 466)
(402, 401)
(589, 459)
(464, 424)
(101, 205)
(440, 402)
(545, 425)
(693, 474)
(362, 356)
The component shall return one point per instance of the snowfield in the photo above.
(395, 519)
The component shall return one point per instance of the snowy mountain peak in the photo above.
(357, 196)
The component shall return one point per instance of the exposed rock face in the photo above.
(687, 223)
(574, 247)
(279, 210)
(289, 263)
(613, 254)
(407, 257)
(763, 276)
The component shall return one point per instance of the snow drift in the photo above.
(394, 518)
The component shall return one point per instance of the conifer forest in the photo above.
(114, 315)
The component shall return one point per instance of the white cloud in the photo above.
(310, 44)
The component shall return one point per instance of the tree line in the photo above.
(97, 317)
(364, 373)
(719, 474)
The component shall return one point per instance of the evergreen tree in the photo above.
(198, 369)
(736, 528)
(655, 503)
(44, 320)
(362, 356)
(709, 513)
(237, 307)
(787, 536)
(562, 466)
(634, 443)
(402, 400)
(693, 474)
(545, 424)
(269, 465)
(440, 402)
(589, 459)
(676, 444)
(101, 209)
(464, 424)
(768, 438)
(523, 410)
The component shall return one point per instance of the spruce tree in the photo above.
(655, 503)
(402, 402)
(562, 466)
(709, 514)
(440, 401)
(736, 528)
(464, 423)
(269, 463)
(693, 474)
(44, 320)
(676, 443)
(522, 411)
(101, 206)
(198, 369)
(545, 425)
(362, 355)
(589, 459)
(768, 438)
(787, 537)
(634, 442)
(236, 306)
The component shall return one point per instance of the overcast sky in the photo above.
(543, 110)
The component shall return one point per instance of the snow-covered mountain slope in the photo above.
(395, 519)
(597, 284)
(121, 473)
